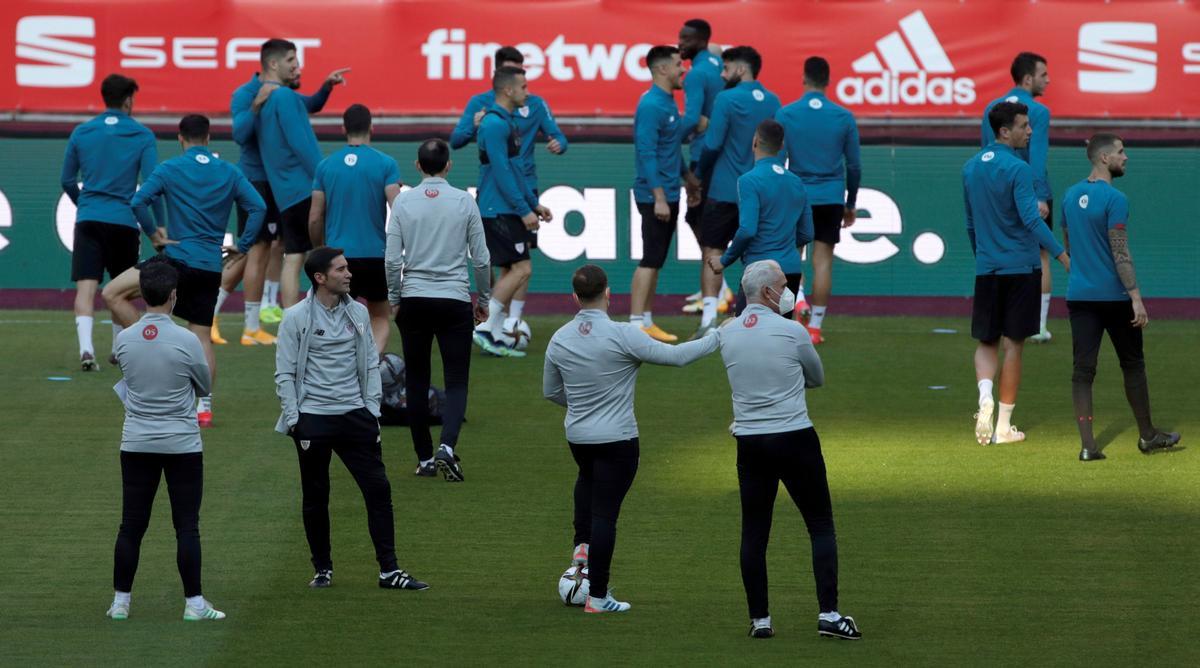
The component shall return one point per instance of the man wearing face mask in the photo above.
(769, 199)
(770, 361)
(727, 153)
(591, 369)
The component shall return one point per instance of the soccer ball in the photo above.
(515, 334)
(573, 586)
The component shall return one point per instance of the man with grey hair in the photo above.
(770, 361)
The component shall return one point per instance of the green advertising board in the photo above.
(909, 240)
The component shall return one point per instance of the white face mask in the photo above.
(787, 301)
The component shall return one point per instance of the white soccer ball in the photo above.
(515, 333)
(573, 586)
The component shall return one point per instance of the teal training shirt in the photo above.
(108, 153)
(353, 180)
(1089, 210)
(729, 141)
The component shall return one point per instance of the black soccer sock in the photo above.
(1081, 395)
(1137, 391)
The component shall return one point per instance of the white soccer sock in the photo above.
(985, 389)
(710, 310)
(1004, 420)
(204, 404)
(1045, 309)
(122, 597)
(647, 319)
(495, 319)
(83, 329)
(195, 602)
(252, 311)
(222, 295)
(817, 317)
(271, 293)
(635, 320)
(828, 616)
(516, 308)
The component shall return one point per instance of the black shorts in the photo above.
(293, 227)
(718, 224)
(103, 246)
(827, 223)
(656, 235)
(508, 241)
(1006, 305)
(368, 279)
(270, 228)
(196, 293)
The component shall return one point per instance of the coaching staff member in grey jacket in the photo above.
(327, 378)
(591, 368)
(770, 361)
(164, 369)
(434, 235)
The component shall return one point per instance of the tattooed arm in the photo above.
(1118, 243)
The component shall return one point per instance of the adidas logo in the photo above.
(909, 56)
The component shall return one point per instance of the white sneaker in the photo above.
(606, 604)
(1013, 436)
(118, 611)
(1043, 336)
(984, 430)
(191, 614)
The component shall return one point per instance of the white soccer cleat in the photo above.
(118, 612)
(1043, 336)
(606, 604)
(1013, 436)
(984, 430)
(208, 613)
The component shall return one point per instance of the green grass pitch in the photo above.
(951, 553)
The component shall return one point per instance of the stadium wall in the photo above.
(910, 240)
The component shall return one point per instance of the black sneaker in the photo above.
(1086, 455)
(1163, 440)
(844, 628)
(448, 464)
(323, 579)
(762, 629)
(87, 362)
(401, 580)
(429, 470)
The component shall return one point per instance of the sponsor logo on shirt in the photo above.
(751, 320)
(903, 75)
(585, 328)
(1083, 202)
(150, 332)
(815, 103)
(432, 192)
(758, 95)
(987, 157)
(1125, 69)
(350, 160)
(202, 159)
(1012, 98)
(778, 169)
(524, 111)
(111, 120)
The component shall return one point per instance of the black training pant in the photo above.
(354, 436)
(140, 473)
(606, 472)
(1089, 321)
(795, 458)
(452, 323)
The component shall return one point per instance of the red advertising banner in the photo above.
(586, 57)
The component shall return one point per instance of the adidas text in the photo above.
(888, 88)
